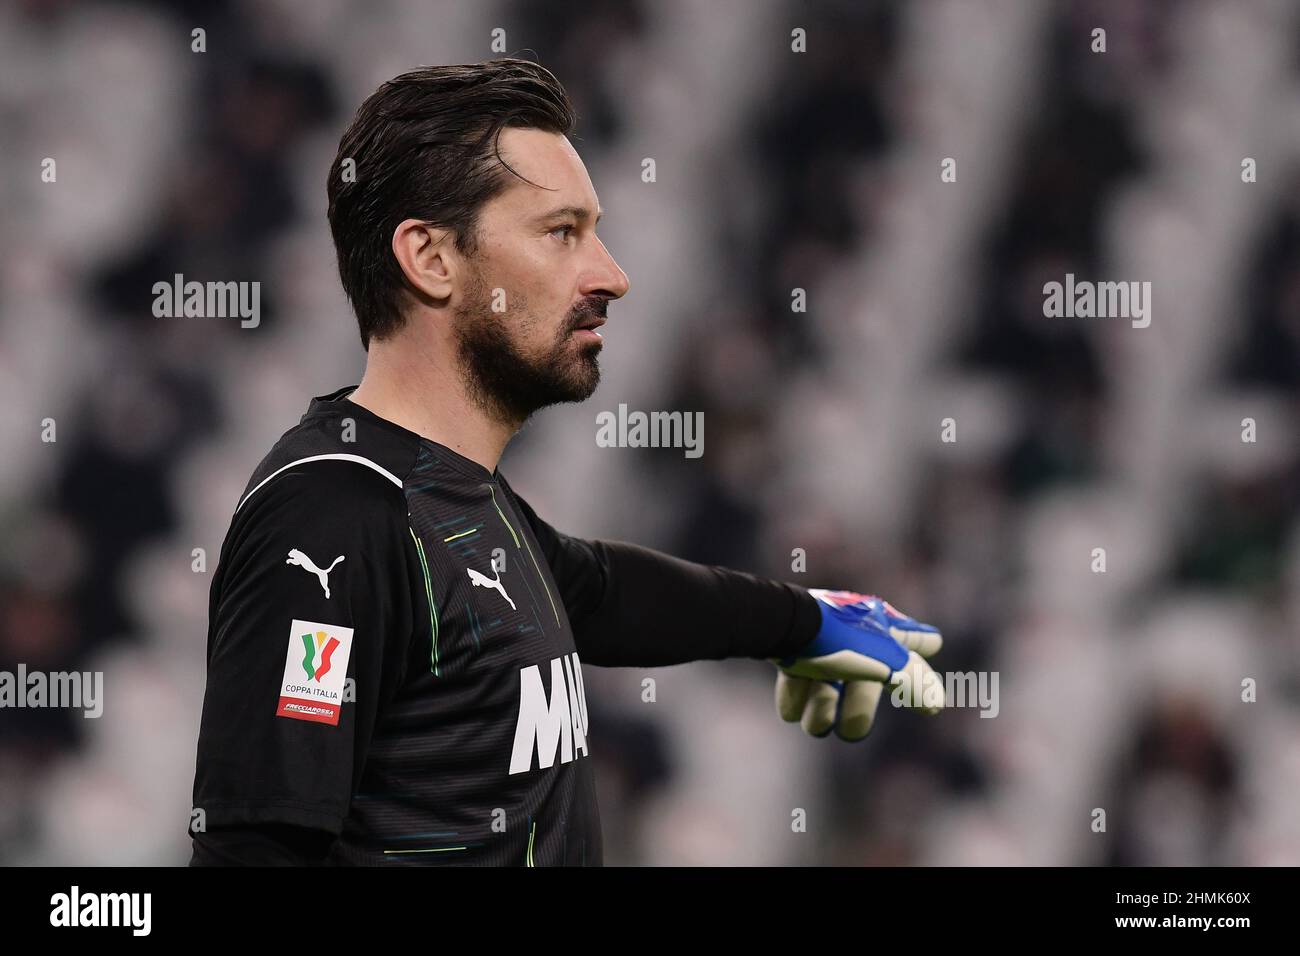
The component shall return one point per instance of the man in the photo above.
(396, 639)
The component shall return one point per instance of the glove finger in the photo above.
(921, 687)
(858, 703)
(915, 635)
(791, 695)
(925, 643)
(819, 712)
(867, 663)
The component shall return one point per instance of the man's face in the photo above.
(538, 286)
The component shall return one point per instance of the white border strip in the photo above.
(302, 461)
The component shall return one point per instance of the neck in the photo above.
(422, 390)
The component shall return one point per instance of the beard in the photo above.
(506, 381)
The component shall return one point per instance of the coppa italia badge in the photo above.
(315, 668)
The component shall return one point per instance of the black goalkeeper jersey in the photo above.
(396, 643)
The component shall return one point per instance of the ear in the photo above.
(427, 257)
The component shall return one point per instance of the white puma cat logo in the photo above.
(483, 581)
(302, 561)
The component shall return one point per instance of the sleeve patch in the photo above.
(315, 669)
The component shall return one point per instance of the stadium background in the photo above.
(775, 170)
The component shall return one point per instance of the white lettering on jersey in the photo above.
(543, 726)
(479, 580)
(306, 563)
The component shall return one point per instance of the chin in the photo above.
(586, 382)
(580, 376)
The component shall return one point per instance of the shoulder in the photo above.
(333, 480)
(328, 479)
(336, 456)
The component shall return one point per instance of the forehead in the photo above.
(549, 160)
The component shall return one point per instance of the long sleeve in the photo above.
(282, 739)
(633, 606)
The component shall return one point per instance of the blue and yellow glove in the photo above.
(864, 645)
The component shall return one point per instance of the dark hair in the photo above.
(425, 145)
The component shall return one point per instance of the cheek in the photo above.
(528, 284)
(538, 289)
(543, 309)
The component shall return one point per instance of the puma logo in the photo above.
(483, 581)
(302, 561)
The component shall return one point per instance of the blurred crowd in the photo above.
(1160, 686)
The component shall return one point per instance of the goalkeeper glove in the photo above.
(864, 643)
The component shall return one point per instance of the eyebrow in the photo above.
(581, 213)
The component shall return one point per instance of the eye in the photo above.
(565, 231)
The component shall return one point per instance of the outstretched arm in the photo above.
(837, 650)
(659, 609)
(633, 606)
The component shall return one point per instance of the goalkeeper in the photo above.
(396, 638)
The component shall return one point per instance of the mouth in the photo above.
(587, 329)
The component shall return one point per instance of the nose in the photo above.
(606, 278)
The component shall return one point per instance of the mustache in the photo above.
(593, 308)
